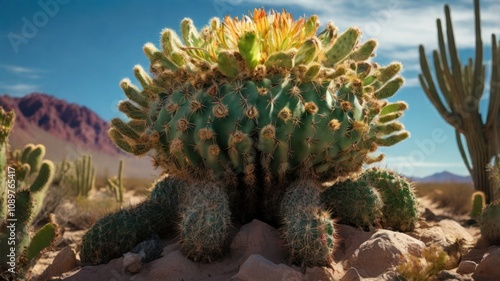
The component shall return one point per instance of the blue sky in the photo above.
(80, 50)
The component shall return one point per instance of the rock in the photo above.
(383, 251)
(351, 239)
(451, 275)
(258, 238)
(175, 266)
(258, 268)
(319, 273)
(132, 262)
(110, 271)
(447, 234)
(144, 252)
(63, 261)
(466, 267)
(488, 268)
(351, 275)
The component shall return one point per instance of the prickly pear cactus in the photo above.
(264, 98)
(490, 223)
(25, 178)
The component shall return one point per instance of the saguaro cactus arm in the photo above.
(492, 127)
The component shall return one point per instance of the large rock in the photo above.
(174, 267)
(55, 264)
(489, 268)
(447, 234)
(258, 238)
(384, 251)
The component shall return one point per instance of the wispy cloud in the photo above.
(22, 71)
(18, 89)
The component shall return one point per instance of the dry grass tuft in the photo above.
(416, 269)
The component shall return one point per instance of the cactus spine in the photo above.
(115, 184)
(462, 89)
(29, 177)
(85, 175)
(490, 223)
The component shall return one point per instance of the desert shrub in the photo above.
(416, 269)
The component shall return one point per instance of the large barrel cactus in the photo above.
(264, 94)
(252, 115)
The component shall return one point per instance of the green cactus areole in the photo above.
(261, 98)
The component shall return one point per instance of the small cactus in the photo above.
(355, 203)
(478, 203)
(400, 210)
(115, 184)
(205, 220)
(307, 227)
(490, 223)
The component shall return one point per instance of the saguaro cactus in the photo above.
(85, 175)
(462, 89)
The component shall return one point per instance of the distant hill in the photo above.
(442, 177)
(69, 130)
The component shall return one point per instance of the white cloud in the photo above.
(18, 89)
(25, 72)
